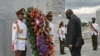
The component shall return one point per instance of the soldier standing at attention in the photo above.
(19, 34)
(94, 33)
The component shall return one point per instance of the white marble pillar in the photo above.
(98, 21)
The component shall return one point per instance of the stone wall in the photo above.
(8, 16)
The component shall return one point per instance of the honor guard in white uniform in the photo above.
(19, 34)
(62, 32)
(94, 33)
(51, 33)
(51, 25)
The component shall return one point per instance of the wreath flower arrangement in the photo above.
(38, 27)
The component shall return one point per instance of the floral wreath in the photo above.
(38, 27)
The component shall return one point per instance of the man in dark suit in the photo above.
(74, 33)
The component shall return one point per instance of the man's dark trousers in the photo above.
(94, 42)
(75, 51)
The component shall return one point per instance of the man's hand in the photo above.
(14, 48)
(70, 47)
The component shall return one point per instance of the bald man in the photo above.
(74, 33)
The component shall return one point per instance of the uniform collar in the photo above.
(20, 21)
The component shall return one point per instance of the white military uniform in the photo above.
(52, 32)
(96, 26)
(61, 32)
(19, 44)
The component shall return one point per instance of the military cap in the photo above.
(21, 11)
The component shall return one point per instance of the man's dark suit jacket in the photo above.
(74, 32)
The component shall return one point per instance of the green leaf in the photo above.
(33, 47)
(37, 53)
(29, 9)
(27, 13)
(32, 34)
(32, 41)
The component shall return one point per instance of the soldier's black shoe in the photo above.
(63, 53)
(95, 49)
